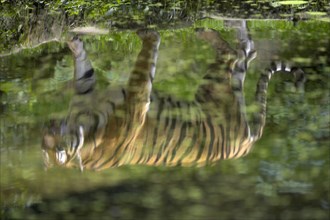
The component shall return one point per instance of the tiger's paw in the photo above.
(76, 46)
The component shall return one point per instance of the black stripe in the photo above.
(123, 91)
(145, 142)
(169, 110)
(228, 127)
(112, 157)
(86, 92)
(211, 136)
(192, 143)
(118, 147)
(273, 66)
(155, 134)
(87, 74)
(112, 104)
(237, 122)
(222, 142)
(183, 132)
(216, 148)
(202, 144)
(175, 108)
(169, 136)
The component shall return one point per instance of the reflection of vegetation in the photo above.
(286, 176)
(23, 22)
(183, 194)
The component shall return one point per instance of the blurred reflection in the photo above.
(134, 125)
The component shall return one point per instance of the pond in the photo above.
(213, 118)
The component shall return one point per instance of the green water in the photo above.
(285, 176)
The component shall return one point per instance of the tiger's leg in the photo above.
(230, 65)
(140, 80)
(139, 90)
(245, 54)
(221, 95)
(84, 77)
(216, 80)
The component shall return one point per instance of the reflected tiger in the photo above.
(133, 125)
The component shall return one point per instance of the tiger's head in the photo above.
(61, 145)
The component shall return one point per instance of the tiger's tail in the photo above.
(261, 92)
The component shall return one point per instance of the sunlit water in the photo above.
(285, 176)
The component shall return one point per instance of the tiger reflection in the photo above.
(133, 125)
